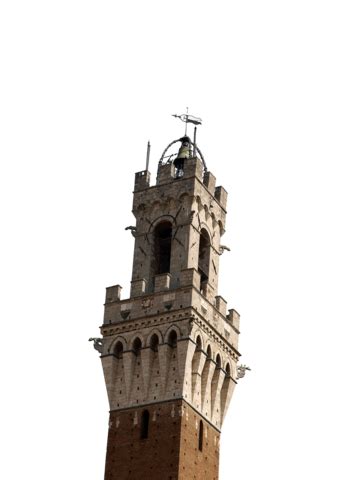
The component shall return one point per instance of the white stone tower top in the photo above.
(174, 337)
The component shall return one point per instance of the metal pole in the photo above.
(194, 142)
(148, 155)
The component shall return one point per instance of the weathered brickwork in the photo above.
(169, 352)
(171, 449)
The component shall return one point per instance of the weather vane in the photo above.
(185, 117)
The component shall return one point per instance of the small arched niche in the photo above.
(137, 346)
(172, 340)
(118, 350)
(204, 256)
(218, 361)
(208, 353)
(154, 342)
(162, 237)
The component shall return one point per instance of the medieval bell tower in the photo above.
(169, 352)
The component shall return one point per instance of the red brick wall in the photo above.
(171, 450)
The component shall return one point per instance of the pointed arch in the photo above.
(134, 337)
(169, 330)
(151, 333)
(184, 197)
(197, 337)
(117, 339)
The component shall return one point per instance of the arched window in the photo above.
(201, 435)
(137, 346)
(162, 247)
(198, 343)
(145, 416)
(218, 361)
(154, 342)
(204, 256)
(172, 340)
(118, 350)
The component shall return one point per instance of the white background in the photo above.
(84, 85)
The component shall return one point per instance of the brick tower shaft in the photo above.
(169, 351)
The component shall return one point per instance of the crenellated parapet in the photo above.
(170, 351)
(164, 357)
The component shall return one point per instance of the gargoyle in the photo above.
(241, 370)
(98, 344)
(222, 249)
(133, 230)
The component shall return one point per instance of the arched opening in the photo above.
(118, 350)
(218, 361)
(196, 372)
(144, 431)
(154, 342)
(204, 256)
(201, 435)
(137, 346)
(162, 247)
(205, 381)
(225, 391)
(172, 340)
(215, 382)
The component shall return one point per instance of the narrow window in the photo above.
(201, 434)
(154, 342)
(137, 346)
(162, 248)
(204, 256)
(208, 352)
(145, 424)
(172, 340)
(218, 361)
(118, 350)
